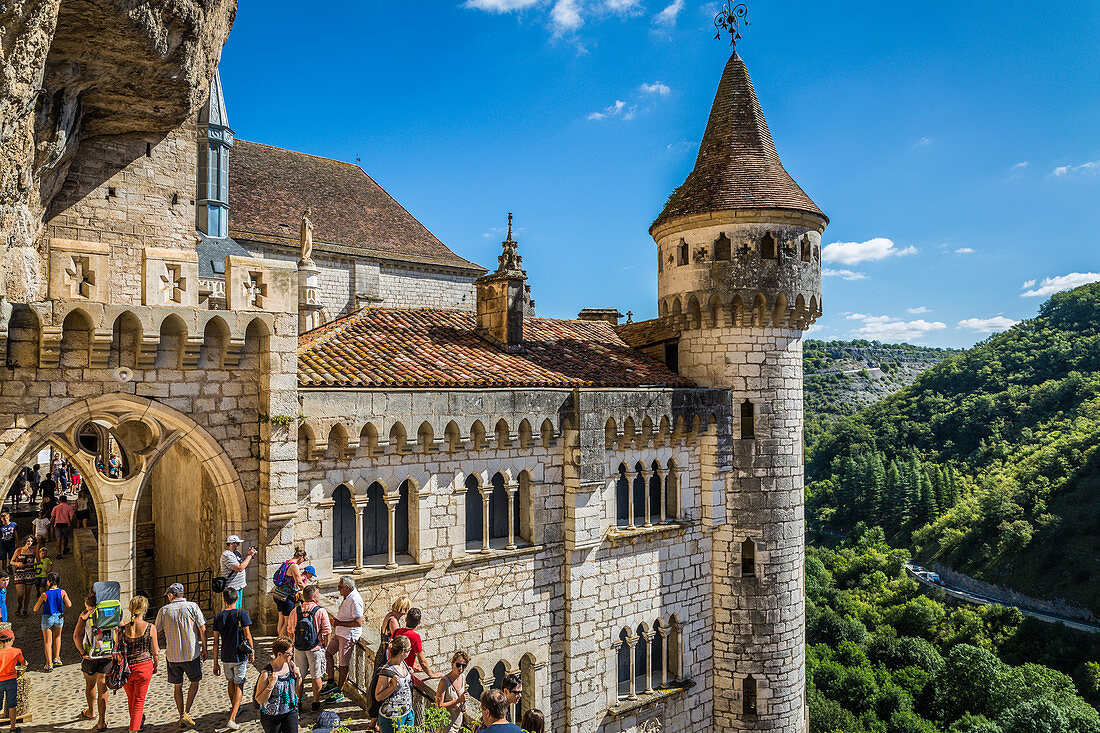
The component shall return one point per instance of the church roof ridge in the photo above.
(737, 166)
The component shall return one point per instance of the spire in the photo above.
(737, 166)
(509, 262)
(213, 112)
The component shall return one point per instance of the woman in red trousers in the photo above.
(143, 653)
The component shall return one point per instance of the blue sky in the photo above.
(956, 148)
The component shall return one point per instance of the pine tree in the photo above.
(893, 515)
(929, 507)
(875, 483)
(847, 492)
(952, 487)
(939, 487)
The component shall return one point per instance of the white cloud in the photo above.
(923, 142)
(845, 274)
(500, 6)
(1020, 166)
(621, 6)
(964, 251)
(987, 325)
(918, 310)
(851, 253)
(667, 17)
(566, 16)
(890, 329)
(1052, 285)
(1092, 166)
(618, 108)
(1029, 283)
(655, 88)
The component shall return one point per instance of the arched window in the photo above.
(375, 524)
(748, 419)
(682, 255)
(748, 695)
(748, 559)
(723, 248)
(499, 672)
(498, 509)
(474, 684)
(525, 509)
(767, 246)
(343, 528)
(473, 510)
(638, 494)
(675, 657)
(623, 661)
(658, 668)
(401, 520)
(23, 337)
(672, 491)
(622, 498)
(656, 495)
(807, 250)
(641, 661)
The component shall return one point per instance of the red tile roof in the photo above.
(737, 167)
(433, 347)
(270, 187)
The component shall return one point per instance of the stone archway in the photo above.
(157, 434)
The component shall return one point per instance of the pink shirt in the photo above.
(320, 622)
(62, 514)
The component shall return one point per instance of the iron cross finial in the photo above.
(729, 20)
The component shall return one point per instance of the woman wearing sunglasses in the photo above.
(452, 694)
(276, 691)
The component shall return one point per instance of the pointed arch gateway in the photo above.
(164, 448)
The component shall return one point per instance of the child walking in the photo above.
(11, 659)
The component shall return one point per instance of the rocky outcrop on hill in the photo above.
(77, 69)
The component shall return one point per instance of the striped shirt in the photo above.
(180, 622)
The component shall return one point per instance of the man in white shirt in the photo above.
(233, 565)
(348, 624)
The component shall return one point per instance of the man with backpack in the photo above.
(234, 647)
(184, 629)
(311, 627)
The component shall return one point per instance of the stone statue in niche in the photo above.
(306, 236)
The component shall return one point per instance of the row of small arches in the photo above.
(735, 312)
(648, 657)
(343, 441)
(175, 347)
(770, 248)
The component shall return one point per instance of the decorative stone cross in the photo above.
(256, 289)
(81, 277)
(174, 283)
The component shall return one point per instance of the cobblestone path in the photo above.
(57, 697)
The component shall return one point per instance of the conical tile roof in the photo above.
(737, 167)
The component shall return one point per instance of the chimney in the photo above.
(500, 299)
(609, 315)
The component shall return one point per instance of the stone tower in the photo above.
(739, 276)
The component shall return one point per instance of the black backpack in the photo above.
(305, 631)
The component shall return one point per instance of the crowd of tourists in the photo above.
(311, 655)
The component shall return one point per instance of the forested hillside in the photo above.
(988, 461)
(883, 657)
(842, 377)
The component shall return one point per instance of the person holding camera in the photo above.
(233, 647)
(233, 565)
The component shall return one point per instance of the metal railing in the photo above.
(196, 587)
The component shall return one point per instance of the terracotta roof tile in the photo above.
(433, 347)
(737, 166)
(270, 187)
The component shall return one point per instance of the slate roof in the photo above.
(270, 187)
(737, 166)
(435, 347)
(212, 251)
(640, 334)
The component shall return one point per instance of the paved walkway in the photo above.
(57, 697)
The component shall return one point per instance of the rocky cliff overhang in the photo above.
(77, 69)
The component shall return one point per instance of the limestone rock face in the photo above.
(77, 69)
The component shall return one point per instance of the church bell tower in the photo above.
(739, 276)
